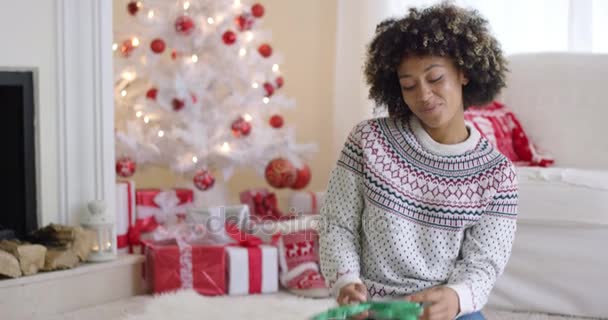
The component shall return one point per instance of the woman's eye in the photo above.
(408, 88)
(436, 79)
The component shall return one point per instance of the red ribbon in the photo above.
(122, 241)
(125, 240)
(148, 224)
(275, 238)
(145, 197)
(242, 238)
(252, 244)
(265, 206)
(133, 236)
(255, 270)
(313, 198)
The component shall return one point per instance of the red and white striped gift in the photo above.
(125, 212)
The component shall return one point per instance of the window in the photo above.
(600, 26)
(537, 25)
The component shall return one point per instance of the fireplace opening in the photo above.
(19, 208)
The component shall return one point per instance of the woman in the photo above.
(420, 206)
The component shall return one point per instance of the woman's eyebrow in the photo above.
(425, 70)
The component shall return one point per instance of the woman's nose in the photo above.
(424, 92)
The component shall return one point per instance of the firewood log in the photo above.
(31, 256)
(9, 265)
(83, 242)
(53, 235)
(60, 259)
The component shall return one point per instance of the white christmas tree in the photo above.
(198, 91)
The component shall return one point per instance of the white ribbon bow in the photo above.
(168, 206)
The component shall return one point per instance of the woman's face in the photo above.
(432, 88)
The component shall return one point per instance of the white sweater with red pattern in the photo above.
(404, 213)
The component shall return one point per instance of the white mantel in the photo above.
(68, 44)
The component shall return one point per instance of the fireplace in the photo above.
(19, 208)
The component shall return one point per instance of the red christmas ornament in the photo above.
(203, 180)
(269, 89)
(194, 99)
(236, 127)
(177, 104)
(240, 127)
(276, 121)
(303, 176)
(184, 25)
(257, 10)
(244, 22)
(246, 128)
(132, 7)
(265, 50)
(280, 82)
(151, 94)
(125, 167)
(280, 173)
(229, 37)
(127, 48)
(157, 45)
(174, 54)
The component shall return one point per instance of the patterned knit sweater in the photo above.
(404, 213)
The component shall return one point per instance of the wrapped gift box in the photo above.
(262, 204)
(306, 202)
(252, 270)
(170, 267)
(125, 213)
(156, 207)
(237, 214)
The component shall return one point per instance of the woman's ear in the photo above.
(463, 79)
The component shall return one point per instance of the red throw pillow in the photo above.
(500, 126)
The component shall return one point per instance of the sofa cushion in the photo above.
(499, 125)
(555, 269)
(563, 196)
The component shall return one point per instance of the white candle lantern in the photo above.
(102, 225)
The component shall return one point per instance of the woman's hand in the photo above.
(443, 303)
(353, 293)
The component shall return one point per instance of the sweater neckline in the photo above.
(427, 142)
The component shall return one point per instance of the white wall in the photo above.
(356, 25)
(68, 43)
(28, 33)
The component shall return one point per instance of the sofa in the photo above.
(559, 262)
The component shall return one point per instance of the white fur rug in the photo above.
(188, 305)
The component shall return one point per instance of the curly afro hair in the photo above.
(440, 30)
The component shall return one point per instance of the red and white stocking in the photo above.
(299, 263)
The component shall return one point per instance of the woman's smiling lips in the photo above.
(429, 108)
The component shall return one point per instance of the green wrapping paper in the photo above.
(393, 310)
